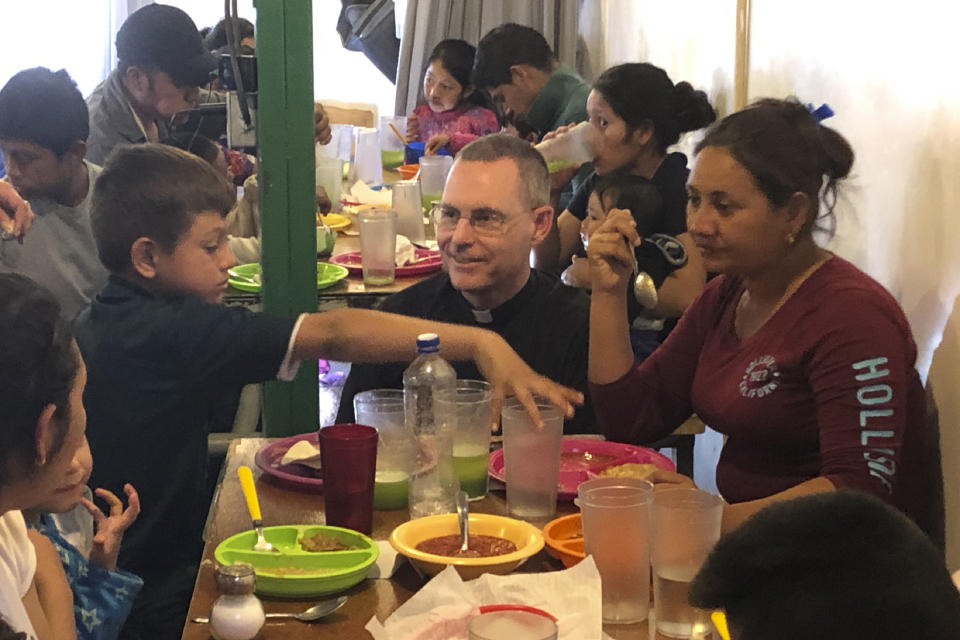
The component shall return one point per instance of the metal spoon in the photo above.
(463, 516)
(644, 289)
(253, 505)
(315, 612)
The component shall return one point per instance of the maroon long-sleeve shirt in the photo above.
(826, 387)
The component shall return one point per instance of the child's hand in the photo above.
(436, 143)
(561, 129)
(110, 529)
(577, 274)
(413, 128)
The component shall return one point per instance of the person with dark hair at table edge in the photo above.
(829, 567)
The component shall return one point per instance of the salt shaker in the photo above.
(237, 614)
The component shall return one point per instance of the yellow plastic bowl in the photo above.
(408, 535)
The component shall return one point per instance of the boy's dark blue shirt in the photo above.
(155, 366)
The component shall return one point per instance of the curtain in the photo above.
(427, 22)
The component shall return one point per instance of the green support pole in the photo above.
(287, 201)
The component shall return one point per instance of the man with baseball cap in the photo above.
(161, 65)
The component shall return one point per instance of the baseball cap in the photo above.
(165, 37)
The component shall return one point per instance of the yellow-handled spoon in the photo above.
(253, 506)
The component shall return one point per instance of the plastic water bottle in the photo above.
(433, 484)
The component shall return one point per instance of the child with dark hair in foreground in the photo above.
(829, 566)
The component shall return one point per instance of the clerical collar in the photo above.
(509, 308)
(482, 316)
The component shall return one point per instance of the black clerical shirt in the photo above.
(546, 323)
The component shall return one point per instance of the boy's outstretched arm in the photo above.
(360, 335)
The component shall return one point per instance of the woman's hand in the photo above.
(508, 374)
(16, 216)
(663, 479)
(413, 128)
(611, 251)
(436, 143)
(110, 529)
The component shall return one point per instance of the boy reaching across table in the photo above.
(159, 348)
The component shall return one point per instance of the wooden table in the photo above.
(281, 505)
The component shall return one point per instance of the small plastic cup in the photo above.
(407, 203)
(616, 532)
(433, 177)
(571, 148)
(511, 625)
(685, 526)
(531, 459)
(471, 404)
(366, 156)
(414, 152)
(382, 409)
(378, 245)
(348, 454)
(391, 147)
(329, 175)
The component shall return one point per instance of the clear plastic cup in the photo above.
(407, 203)
(329, 175)
(616, 532)
(391, 147)
(378, 245)
(471, 404)
(382, 409)
(685, 524)
(531, 459)
(433, 177)
(366, 156)
(571, 148)
(511, 625)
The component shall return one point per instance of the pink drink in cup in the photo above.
(348, 453)
(616, 532)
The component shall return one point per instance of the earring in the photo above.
(791, 238)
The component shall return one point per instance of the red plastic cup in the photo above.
(348, 454)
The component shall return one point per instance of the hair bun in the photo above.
(693, 108)
(837, 152)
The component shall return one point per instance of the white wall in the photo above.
(889, 71)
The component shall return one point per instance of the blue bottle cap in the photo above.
(428, 343)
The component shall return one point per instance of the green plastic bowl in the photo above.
(294, 572)
(327, 276)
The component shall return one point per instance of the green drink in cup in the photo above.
(471, 434)
(382, 409)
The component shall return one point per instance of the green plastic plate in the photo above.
(327, 276)
(294, 572)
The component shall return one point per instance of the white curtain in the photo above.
(427, 22)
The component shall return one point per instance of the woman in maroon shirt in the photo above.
(803, 361)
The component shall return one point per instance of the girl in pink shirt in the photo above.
(453, 113)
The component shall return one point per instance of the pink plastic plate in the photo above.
(580, 457)
(428, 262)
(300, 476)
